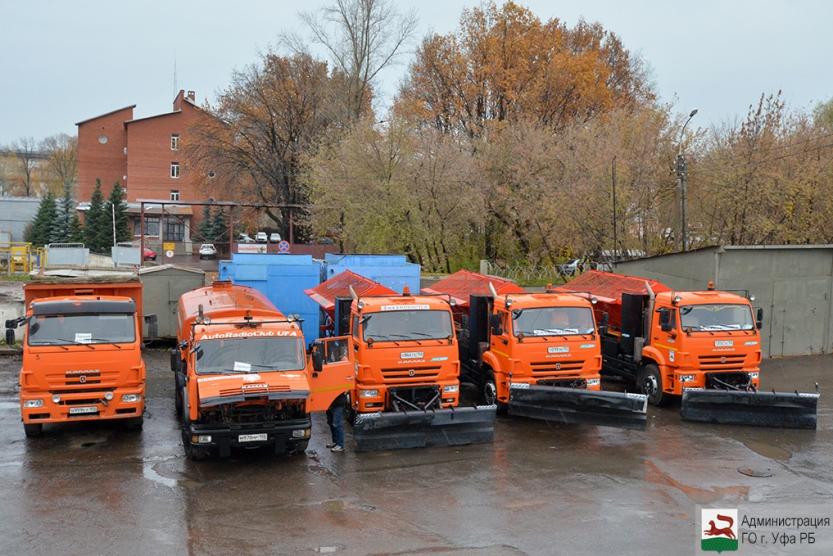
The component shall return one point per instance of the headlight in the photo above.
(300, 433)
(368, 393)
(108, 396)
(56, 398)
(33, 403)
(753, 375)
(686, 378)
(451, 388)
(201, 439)
(131, 398)
(593, 381)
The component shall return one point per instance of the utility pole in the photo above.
(682, 185)
(613, 186)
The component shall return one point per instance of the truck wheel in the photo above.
(489, 394)
(33, 430)
(194, 453)
(134, 423)
(178, 400)
(298, 447)
(176, 360)
(652, 386)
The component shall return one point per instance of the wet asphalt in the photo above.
(539, 489)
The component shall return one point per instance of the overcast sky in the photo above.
(64, 61)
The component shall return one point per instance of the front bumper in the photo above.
(695, 378)
(282, 436)
(61, 412)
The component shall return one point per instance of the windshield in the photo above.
(716, 317)
(250, 355)
(407, 325)
(56, 330)
(553, 321)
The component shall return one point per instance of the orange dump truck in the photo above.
(407, 374)
(702, 345)
(82, 351)
(536, 355)
(242, 375)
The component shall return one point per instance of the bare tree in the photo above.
(362, 38)
(26, 151)
(62, 161)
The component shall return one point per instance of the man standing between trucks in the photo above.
(335, 419)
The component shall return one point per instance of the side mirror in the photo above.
(666, 320)
(317, 355)
(495, 322)
(759, 318)
(11, 323)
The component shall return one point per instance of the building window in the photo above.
(175, 141)
(174, 195)
(174, 170)
(151, 226)
(174, 230)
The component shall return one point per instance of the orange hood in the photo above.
(217, 389)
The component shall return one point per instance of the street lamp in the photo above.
(682, 185)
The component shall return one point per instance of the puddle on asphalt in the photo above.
(768, 450)
(701, 495)
(151, 474)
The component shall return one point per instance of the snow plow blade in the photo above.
(574, 405)
(418, 429)
(790, 410)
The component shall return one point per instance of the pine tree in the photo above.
(97, 235)
(117, 207)
(207, 225)
(219, 227)
(75, 231)
(45, 221)
(65, 210)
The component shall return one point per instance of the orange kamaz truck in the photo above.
(243, 378)
(407, 374)
(82, 351)
(704, 346)
(536, 355)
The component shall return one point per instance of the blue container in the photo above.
(283, 279)
(393, 271)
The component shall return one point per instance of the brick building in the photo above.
(146, 156)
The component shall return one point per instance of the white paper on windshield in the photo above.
(241, 366)
(405, 307)
(83, 337)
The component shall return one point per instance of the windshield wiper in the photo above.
(48, 343)
(103, 341)
(73, 342)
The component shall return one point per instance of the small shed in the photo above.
(162, 286)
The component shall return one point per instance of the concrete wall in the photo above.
(16, 213)
(793, 284)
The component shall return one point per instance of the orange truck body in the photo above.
(82, 378)
(387, 367)
(687, 358)
(243, 377)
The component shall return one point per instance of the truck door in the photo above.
(499, 343)
(337, 373)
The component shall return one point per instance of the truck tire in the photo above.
(652, 386)
(134, 423)
(33, 430)
(176, 360)
(488, 393)
(193, 452)
(178, 402)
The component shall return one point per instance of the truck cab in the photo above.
(405, 354)
(243, 378)
(547, 339)
(82, 358)
(701, 339)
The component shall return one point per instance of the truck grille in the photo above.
(238, 391)
(550, 367)
(727, 362)
(404, 375)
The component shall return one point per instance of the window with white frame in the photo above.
(174, 194)
(175, 141)
(175, 170)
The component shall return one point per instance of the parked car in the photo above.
(149, 254)
(261, 237)
(208, 251)
(274, 237)
(244, 238)
(570, 268)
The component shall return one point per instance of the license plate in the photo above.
(252, 437)
(723, 343)
(83, 410)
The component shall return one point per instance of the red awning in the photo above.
(326, 293)
(465, 283)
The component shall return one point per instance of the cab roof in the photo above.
(554, 299)
(702, 297)
(224, 300)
